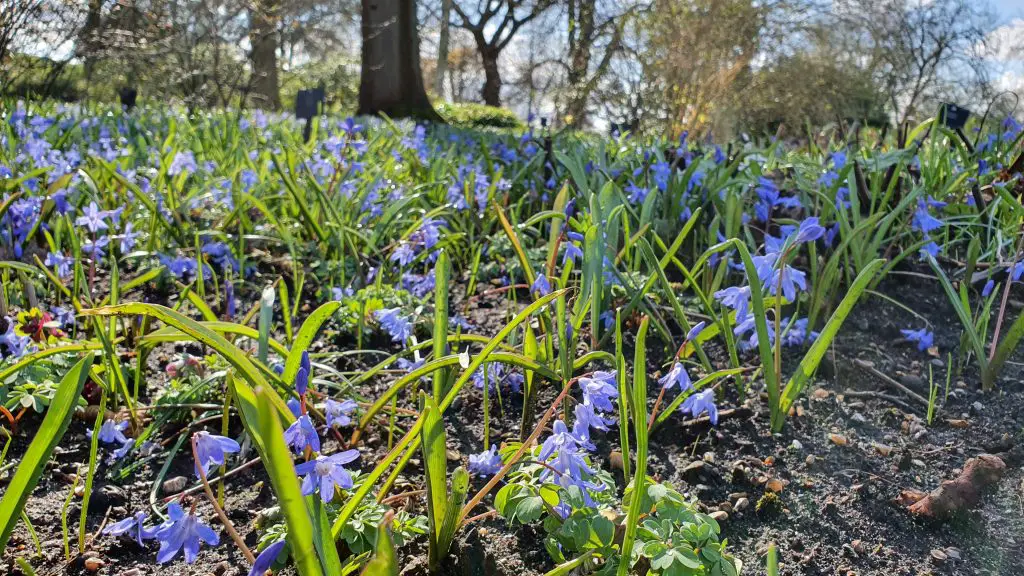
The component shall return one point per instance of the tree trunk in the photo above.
(391, 81)
(442, 49)
(492, 78)
(263, 37)
(90, 38)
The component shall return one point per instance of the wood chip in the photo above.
(838, 439)
(882, 449)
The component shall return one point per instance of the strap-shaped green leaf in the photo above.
(278, 462)
(305, 337)
(50, 432)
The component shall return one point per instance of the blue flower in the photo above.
(111, 432)
(923, 221)
(1016, 271)
(930, 249)
(60, 263)
(796, 334)
(695, 331)
(700, 403)
(923, 337)
(128, 238)
(302, 434)
(599, 390)
(221, 256)
(486, 463)
(325, 473)
(302, 377)
(458, 321)
(15, 343)
(790, 280)
(541, 287)
(559, 439)
(588, 419)
(677, 375)
(95, 249)
(572, 252)
(182, 531)
(394, 324)
(337, 413)
(229, 300)
(184, 162)
(267, 558)
(133, 526)
(637, 194)
(65, 316)
(403, 254)
(809, 231)
(294, 406)
(735, 297)
(120, 452)
(211, 450)
(987, 290)
(92, 218)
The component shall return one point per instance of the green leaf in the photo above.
(384, 562)
(639, 407)
(1005, 347)
(49, 434)
(280, 468)
(171, 334)
(962, 313)
(204, 335)
(435, 463)
(305, 337)
(809, 363)
(441, 272)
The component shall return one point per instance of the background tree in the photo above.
(391, 81)
(595, 33)
(263, 23)
(915, 49)
(493, 24)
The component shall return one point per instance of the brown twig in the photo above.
(889, 380)
(228, 474)
(878, 396)
(548, 415)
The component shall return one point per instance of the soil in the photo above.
(839, 466)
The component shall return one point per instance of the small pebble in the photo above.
(719, 516)
(174, 485)
(93, 564)
(838, 439)
(939, 556)
(741, 505)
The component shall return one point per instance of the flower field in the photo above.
(415, 349)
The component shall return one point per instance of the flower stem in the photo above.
(228, 526)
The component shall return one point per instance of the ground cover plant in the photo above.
(409, 348)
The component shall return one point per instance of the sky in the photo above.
(1008, 64)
